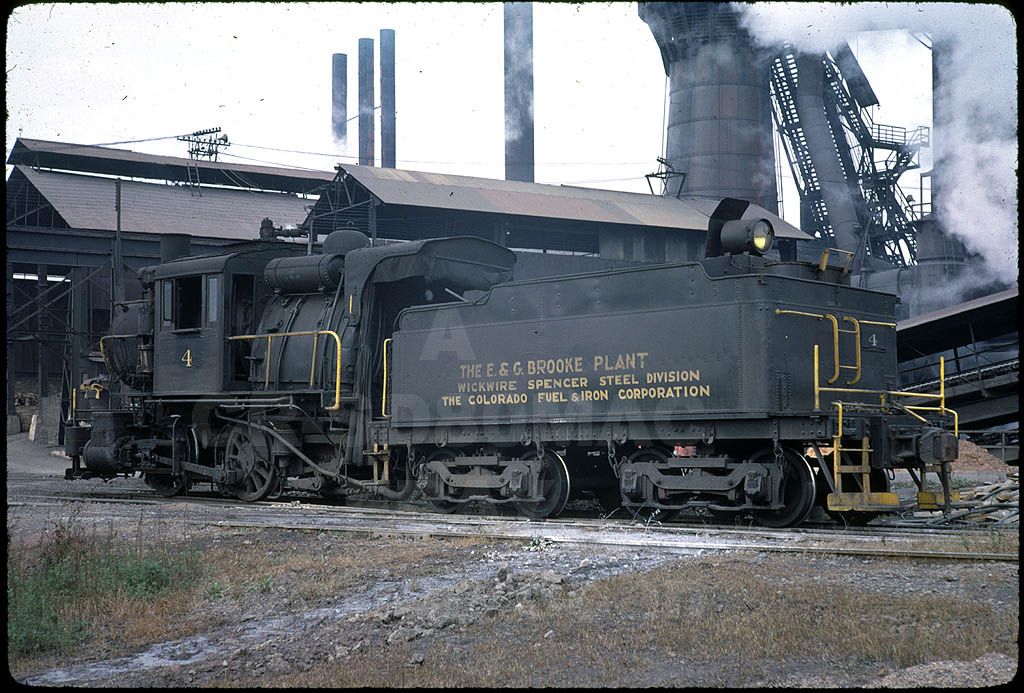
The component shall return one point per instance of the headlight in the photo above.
(762, 236)
(748, 236)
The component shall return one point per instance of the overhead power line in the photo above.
(429, 161)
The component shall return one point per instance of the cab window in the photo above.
(182, 303)
(212, 299)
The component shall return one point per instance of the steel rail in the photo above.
(430, 524)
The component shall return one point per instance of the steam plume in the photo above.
(975, 129)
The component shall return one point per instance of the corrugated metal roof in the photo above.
(87, 202)
(124, 162)
(974, 320)
(465, 193)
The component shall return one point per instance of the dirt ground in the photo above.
(281, 607)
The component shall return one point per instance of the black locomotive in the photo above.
(735, 384)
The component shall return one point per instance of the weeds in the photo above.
(59, 589)
(215, 590)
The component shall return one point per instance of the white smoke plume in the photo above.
(975, 131)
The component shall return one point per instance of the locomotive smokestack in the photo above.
(387, 98)
(519, 91)
(339, 97)
(366, 134)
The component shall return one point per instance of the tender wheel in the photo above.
(248, 451)
(798, 491)
(554, 486)
(445, 455)
(647, 514)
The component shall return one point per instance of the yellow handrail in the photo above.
(384, 385)
(856, 341)
(103, 353)
(823, 263)
(911, 409)
(837, 440)
(835, 346)
(817, 389)
(270, 336)
(835, 334)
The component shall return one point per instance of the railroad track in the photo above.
(373, 519)
(895, 525)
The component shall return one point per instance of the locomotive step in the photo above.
(883, 501)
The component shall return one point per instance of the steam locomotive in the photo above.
(734, 385)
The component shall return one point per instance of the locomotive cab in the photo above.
(199, 303)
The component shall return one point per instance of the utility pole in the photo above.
(204, 145)
(116, 278)
(42, 328)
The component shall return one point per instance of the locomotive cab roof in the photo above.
(222, 261)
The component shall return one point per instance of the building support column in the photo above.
(79, 327)
(42, 322)
(11, 375)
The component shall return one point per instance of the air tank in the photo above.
(304, 274)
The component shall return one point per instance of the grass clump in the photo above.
(68, 586)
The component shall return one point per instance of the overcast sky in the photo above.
(103, 73)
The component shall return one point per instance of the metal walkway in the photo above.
(980, 341)
(844, 158)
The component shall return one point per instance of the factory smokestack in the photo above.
(719, 124)
(339, 97)
(519, 91)
(387, 98)
(366, 134)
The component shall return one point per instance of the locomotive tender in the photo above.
(734, 384)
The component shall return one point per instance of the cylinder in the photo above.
(339, 97)
(387, 98)
(174, 245)
(75, 438)
(107, 438)
(366, 134)
(519, 163)
(719, 129)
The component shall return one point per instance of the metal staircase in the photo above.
(872, 156)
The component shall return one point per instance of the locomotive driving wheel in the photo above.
(171, 484)
(248, 454)
(798, 491)
(166, 485)
(554, 486)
